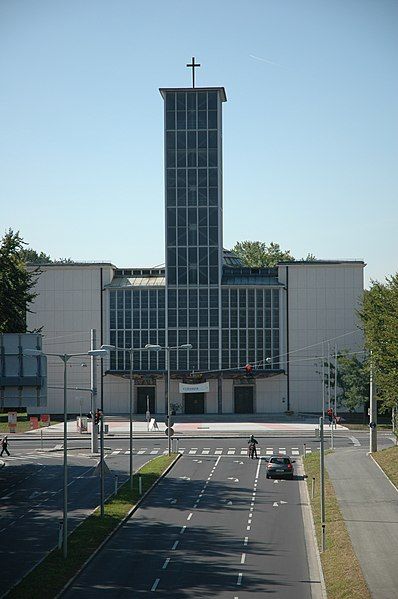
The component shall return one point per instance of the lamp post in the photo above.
(65, 358)
(167, 349)
(130, 350)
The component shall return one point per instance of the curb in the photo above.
(115, 530)
(387, 477)
(311, 542)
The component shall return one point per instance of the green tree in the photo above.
(32, 257)
(257, 254)
(16, 284)
(352, 380)
(379, 315)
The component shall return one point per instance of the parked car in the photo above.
(280, 466)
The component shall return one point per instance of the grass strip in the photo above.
(343, 575)
(352, 426)
(51, 575)
(388, 461)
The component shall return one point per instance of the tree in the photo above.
(16, 284)
(257, 254)
(32, 257)
(379, 315)
(352, 380)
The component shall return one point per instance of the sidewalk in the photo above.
(196, 426)
(369, 504)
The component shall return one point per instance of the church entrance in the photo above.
(145, 397)
(244, 400)
(194, 403)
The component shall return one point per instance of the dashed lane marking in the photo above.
(175, 545)
(239, 581)
(243, 558)
(166, 563)
(155, 584)
(183, 529)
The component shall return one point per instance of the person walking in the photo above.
(252, 447)
(4, 446)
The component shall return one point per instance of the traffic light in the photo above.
(248, 369)
(97, 416)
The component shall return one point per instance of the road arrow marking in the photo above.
(184, 477)
(275, 504)
(229, 502)
(283, 501)
(237, 462)
(276, 482)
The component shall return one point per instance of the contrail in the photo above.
(275, 64)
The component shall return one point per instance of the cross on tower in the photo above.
(193, 65)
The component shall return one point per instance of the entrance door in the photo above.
(243, 400)
(194, 403)
(142, 394)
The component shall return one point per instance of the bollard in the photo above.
(177, 444)
(41, 438)
(323, 536)
(304, 449)
(60, 534)
(116, 483)
(139, 484)
(313, 487)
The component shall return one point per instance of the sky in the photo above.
(310, 128)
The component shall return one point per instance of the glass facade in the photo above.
(137, 317)
(250, 327)
(193, 225)
(229, 320)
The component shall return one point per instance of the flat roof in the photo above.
(189, 89)
(321, 262)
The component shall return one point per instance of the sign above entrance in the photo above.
(199, 388)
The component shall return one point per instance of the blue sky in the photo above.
(310, 126)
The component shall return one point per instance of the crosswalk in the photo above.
(218, 451)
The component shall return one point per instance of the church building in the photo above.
(239, 340)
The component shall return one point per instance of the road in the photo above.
(214, 527)
(31, 493)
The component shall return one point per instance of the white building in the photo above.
(272, 318)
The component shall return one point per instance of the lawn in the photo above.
(55, 571)
(343, 575)
(388, 460)
(23, 423)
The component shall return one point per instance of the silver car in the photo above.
(280, 466)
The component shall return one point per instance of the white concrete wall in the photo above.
(271, 394)
(67, 307)
(323, 300)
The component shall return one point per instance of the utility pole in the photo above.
(322, 468)
(373, 412)
(93, 388)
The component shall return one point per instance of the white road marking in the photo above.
(355, 441)
(206, 450)
(141, 451)
(239, 581)
(190, 516)
(275, 504)
(269, 452)
(155, 584)
(283, 501)
(192, 451)
(182, 530)
(116, 451)
(181, 450)
(243, 558)
(282, 450)
(154, 451)
(231, 451)
(166, 563)
(175, 545)
(247, 527)
(243, 452)
(295, 452)
(245, 542)
(218, 451)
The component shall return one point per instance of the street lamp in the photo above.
(149, 346)
(65, 358)
(130, 350)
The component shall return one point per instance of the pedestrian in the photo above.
(252, 446)
(4, 446)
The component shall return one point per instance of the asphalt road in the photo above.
(31, 502)
(214, 527)
(31, 488)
